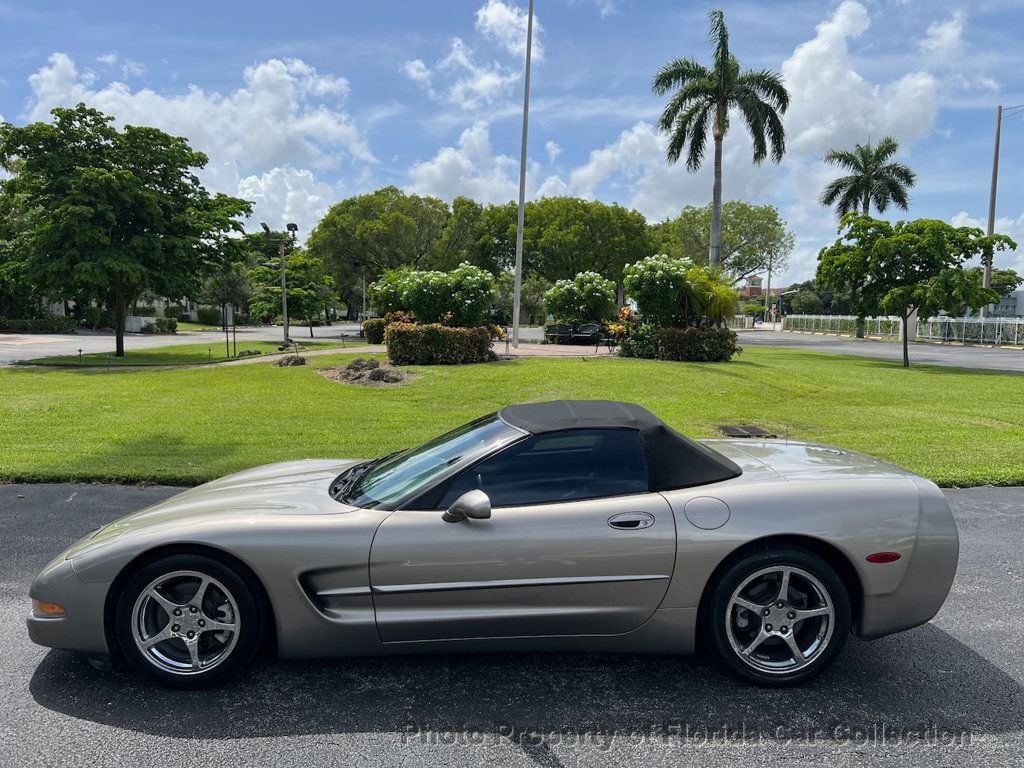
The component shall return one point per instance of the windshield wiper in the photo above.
(348, 481)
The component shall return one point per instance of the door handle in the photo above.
(631, 521)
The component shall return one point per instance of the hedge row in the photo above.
(698, 345)
(436, 344)
(161, 325)
(45, 324)
(373, 330)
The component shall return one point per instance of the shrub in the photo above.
(143, 311)
(208, 315)
(588, 297)
(458, 298)
(642, 341)
(701, 345)
(95, 317)
(174, 311)
(161, 325)
(42, 324)
(658, 285)
(753, 308)
(373, 330)
(436, 344)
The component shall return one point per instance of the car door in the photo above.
(575, 545)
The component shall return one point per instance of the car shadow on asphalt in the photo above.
(920, 681)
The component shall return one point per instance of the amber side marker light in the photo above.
(884, 557)
(49, 610)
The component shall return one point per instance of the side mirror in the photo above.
(472, 505)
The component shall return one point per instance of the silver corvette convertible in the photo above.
(587, 525)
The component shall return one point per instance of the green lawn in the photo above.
(185, 325)
(185, 426)
(176, 354)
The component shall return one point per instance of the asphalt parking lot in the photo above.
(948, 693)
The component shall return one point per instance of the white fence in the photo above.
(740, 322)
(843, 325)
(974, 330)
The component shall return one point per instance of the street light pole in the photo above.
(292, 229)
(986, 279)
(518, 283)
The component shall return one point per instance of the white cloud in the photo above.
(264, 140)
(506, 25)
(417, 70)
(279, 116)
(553, 150)
(286, 194)
(469, 169)
(831, 104)
(110, 59)
(944, 38)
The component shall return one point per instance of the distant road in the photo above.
(23, 346)
(982, 358)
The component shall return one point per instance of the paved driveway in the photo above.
(948, 693)
(984, 358)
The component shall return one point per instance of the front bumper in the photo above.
(81, 628)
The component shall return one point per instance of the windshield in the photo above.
(394, 478)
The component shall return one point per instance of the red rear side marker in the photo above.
(884, 557)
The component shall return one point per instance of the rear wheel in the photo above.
(189, 621)
(778, 617)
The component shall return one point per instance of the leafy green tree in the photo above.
(458, 242)
(366, 235)
(112, 213)
(909, 266)
(229, 285)
(1004, 281)
(754, 238)
(701, 99)
(531, 298)
(872, 178)
(752, 308)
(586, 298)
(806, 302)
(310, 288)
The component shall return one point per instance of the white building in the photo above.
(1011, 305)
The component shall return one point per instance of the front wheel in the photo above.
(778, 617)
(189, 621)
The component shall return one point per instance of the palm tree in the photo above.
(873, 179)
(701, 100)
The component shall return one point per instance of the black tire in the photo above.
(230, 599)
(729, 629)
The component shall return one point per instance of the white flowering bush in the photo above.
(588, 297)
(658, 284)
(457, 298)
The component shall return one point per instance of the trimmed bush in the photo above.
(161, 325)
(208, 315)
(44, 324)
(437, 344)
(642, 341)
(698, 345)
(95, 317)
(174, 311)
(373, 330)
(143, 311)
(457, 298)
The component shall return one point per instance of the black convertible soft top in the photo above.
(673, 461)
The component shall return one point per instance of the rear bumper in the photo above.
(929, 574)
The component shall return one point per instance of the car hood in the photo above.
(800, 460)
(287, 488)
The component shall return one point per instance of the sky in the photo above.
(300, 105)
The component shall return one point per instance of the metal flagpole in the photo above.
(522, 184)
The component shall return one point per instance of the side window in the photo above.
(559, 466)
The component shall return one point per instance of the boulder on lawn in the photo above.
(289, 360)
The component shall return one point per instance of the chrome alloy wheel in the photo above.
(185, 622)
(779, 619)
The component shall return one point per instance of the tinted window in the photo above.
(560, 466)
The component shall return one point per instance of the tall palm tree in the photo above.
(873, 179)
(701, 100)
